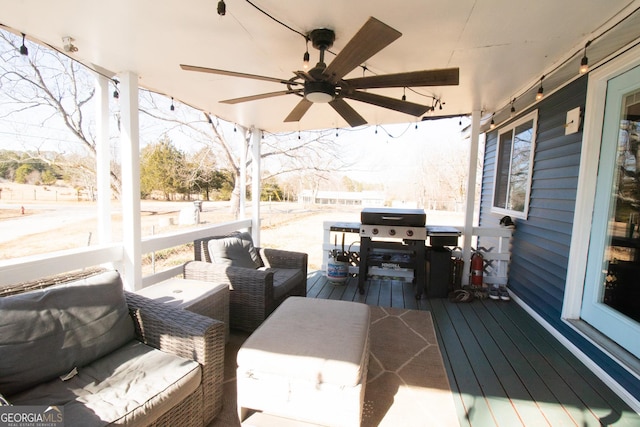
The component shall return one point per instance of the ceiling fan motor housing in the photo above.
(322, 38)
(319, 91)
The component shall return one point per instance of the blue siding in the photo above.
(540, 245)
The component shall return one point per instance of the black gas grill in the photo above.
(393, 238)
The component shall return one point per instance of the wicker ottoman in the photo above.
(205, 298)
(308, 361)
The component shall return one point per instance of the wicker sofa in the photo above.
(260, 279)
(108, 356)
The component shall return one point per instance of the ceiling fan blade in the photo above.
(390, 103)
(304, 76)
(235, 74)
(443, 77)
(350, 115)
(298, 111)
(369, 40)
(257, 97)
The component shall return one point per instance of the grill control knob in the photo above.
(409, 233)
(392, 232)
(374, 231)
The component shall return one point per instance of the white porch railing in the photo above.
(34, 267)
(495, 249)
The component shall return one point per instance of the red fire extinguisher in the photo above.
(477, 266)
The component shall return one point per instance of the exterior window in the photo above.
(513, 167)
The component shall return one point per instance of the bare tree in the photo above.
(52, 87)
(311, 152)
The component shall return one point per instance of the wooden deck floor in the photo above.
(503, 367)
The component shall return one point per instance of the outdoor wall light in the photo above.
(23, 49)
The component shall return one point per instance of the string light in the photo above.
(23, 49)
(305, 57)
(513, 108)
(584, 62)
(540, 93)
(222, 8)
(404, 94)
(116, 93)
(172, 106)
(493, 122)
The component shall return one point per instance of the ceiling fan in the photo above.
(325, 83)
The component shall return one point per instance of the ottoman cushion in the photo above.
(321, 341)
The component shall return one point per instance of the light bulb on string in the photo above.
(305, 57)
(116, 92)
(23, 49)
(540, 93)
(584, 62)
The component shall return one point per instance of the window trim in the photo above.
(532, 116)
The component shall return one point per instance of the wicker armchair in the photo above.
(170, 330)
(255, 292)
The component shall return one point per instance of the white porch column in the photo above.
(103, 159)
(256, 137)
(243, 171)
(471, 194)
(130, 153)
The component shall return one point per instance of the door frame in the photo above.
(588, 177)
(612, 323)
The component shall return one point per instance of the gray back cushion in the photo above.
(46, 333)
(236, 250)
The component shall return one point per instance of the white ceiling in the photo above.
(501, 47)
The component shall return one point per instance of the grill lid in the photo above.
(393, 216)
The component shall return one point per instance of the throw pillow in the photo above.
(236, 250)
(47, 333)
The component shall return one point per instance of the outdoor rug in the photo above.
(407, 384)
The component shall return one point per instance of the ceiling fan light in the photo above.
(322, 92)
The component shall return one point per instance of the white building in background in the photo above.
(355, 198)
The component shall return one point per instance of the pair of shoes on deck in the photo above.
(478, 292)
(468, 294)
(499, 293)
(461, 295)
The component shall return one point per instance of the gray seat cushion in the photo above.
(133, 385)
(69, 326)
(236, 250)
(284, 280)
